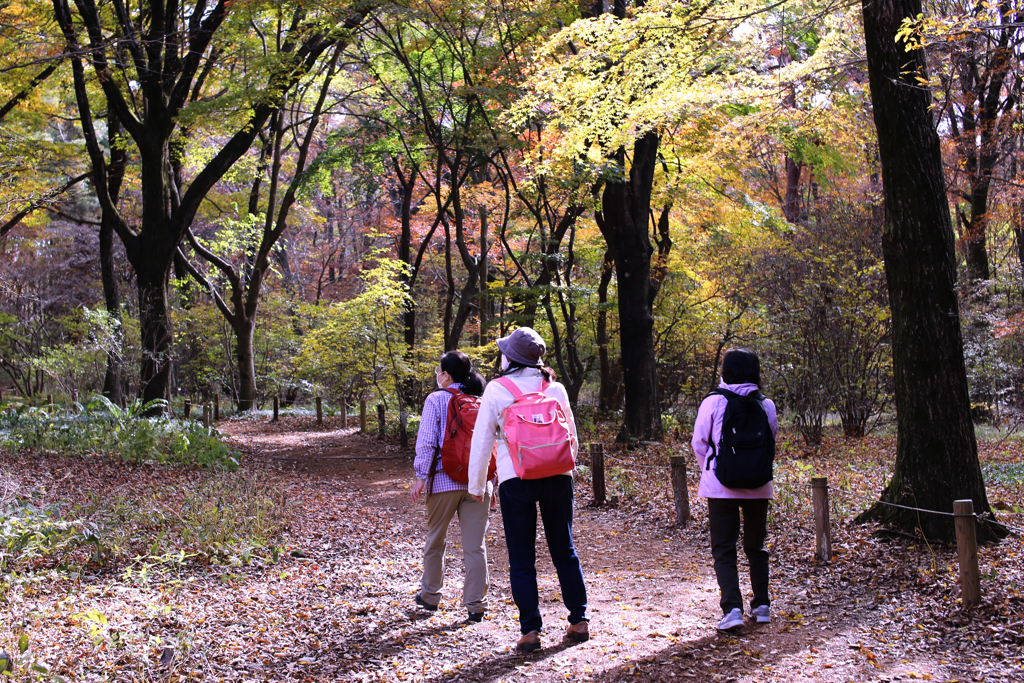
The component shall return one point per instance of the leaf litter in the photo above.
(327, 594)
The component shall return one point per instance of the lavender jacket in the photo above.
(708, 429)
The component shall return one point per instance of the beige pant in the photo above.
(473, 522)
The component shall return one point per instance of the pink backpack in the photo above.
(537, 433)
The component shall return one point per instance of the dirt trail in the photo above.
(651, 588)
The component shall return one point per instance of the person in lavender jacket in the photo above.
(741, 374)
(446, 498)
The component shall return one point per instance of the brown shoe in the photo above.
(530, 642)
(579, 632)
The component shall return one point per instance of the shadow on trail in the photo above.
(719, 656)
(503, 664)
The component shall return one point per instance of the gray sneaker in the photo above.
(762, 614)
(731, 620)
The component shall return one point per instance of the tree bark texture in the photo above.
(936, 451)
(625, 220)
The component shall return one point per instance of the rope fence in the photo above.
(963, 514)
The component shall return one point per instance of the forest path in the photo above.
(652, 592)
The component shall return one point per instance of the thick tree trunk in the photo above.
(155, 327)
(936, 452)
(626, 210)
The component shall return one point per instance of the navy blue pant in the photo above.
(519, 502)
(724, 520)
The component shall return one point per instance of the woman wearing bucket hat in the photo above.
(521, 354)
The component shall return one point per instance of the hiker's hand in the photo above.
(478, 499)
(417, 490)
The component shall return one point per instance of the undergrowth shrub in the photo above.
(235, 518)
(103, 427)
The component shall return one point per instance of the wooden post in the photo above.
(216, 407)
(344, 414)
(822, 528)
(277, 406)
(319, 411)
(403, 434)
(207, 411)
(188, 409)
(967, 551)
(380, 420)
(597, 472)
(49, 402)
(362, 415)
(679, 488)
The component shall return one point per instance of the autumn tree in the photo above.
(936, 451)
(245, 270)
(159, 66)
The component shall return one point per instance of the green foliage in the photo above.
(224, 518)
(358, 351)
(79, 364)
(103, 427)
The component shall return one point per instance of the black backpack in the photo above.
(746, 452)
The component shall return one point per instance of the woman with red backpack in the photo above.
(535, 462)
(458, 387)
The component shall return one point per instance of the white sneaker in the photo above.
(762, 614)
(731, 620)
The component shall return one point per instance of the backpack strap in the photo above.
(437, 449)
(510, 385)
(726, 394)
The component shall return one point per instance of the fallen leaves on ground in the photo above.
(336, 602)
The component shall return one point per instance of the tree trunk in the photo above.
(626, 209)
(246, 363)
(155, 327)
(936, 452)
(408, 184)
(482, 297)
(609, 395)
(112, 299)
(111, 293)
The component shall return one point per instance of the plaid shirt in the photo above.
(429, 440)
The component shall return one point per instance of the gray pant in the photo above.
(473, 522)
(724, 520)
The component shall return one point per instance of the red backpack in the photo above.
(462, 411)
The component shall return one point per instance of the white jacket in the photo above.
(488, 421)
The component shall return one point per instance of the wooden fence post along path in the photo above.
(822, 527)
(362, 416)
(967, 552)
(682, 493)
